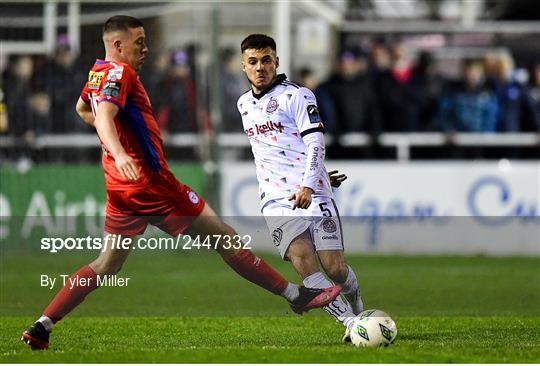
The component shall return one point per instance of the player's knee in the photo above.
(103, 268)
(299, 258)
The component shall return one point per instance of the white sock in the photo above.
(340, 310)
(291, 292)
(350, 288)
(47, 323)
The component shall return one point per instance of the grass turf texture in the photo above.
(189, 307)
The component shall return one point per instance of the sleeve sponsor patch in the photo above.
(313, 114)
(116, 73)
(94, 79)
(111, 89)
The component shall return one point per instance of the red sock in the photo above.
(68, 298)
(255, 270)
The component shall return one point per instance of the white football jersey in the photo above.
(275, 122)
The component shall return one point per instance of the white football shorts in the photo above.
(321, 218)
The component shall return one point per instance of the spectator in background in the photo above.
(379, 57)
(180, 95)
(399, 99)
(3, 113)
(232, 87)
(516, 106)
(154, 79)
(61, 78)
(326, 104)
(468, 105)
(428, 84)
(307, 78)
(352, 95)
(490, 63)
(27, 106)
(535, 90)
(327, 108)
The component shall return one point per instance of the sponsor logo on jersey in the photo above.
(277, 235)
(111, 89)
(330, 237)
(313, 114)
(193, 197)
(314, 164)
(116, 73)
(265, 128)
(272, 106)
(94, 79)
(329, 226)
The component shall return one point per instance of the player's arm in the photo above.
(315, 151)
(85, 111)
(303, 108)
(104, 123)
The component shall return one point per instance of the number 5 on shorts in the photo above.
(325, 211)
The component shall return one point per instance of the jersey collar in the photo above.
(279, 79)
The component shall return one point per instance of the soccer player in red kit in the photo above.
(140, 188)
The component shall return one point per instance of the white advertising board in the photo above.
(436, 207)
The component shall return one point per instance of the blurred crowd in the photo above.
(378, 89)
(386, 90)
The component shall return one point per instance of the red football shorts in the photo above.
(167, 204)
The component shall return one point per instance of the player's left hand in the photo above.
(336, 180)
(302, 198)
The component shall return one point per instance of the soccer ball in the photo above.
(373, 328)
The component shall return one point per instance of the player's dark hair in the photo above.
(257, 42)
(121, 23)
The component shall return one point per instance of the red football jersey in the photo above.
(135, 122)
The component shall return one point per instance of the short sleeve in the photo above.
(117, 85)
(305, 112)
(84, 94)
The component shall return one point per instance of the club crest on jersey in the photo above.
(329, 226)
(313, 114)
(94, 79)
(272, 106)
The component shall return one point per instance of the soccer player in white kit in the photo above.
(285, 130)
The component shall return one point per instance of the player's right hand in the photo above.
(302, 198)
(127, 166)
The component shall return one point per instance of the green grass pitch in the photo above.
(189, 307)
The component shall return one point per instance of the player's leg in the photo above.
(244, 262)
(75, 290)
(256, 270)
(334, 265)
(304, 260)
(328, 242)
